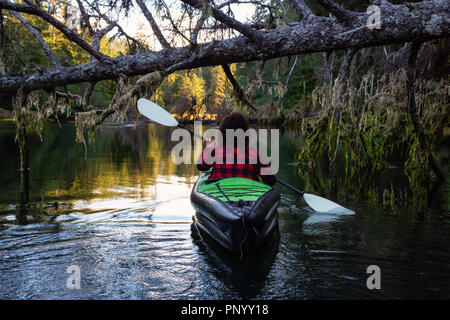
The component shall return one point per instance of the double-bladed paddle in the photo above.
(157, 114)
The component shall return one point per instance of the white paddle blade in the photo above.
(320, 204)
(155, 113)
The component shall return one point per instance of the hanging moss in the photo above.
(126, 96)
(368, 124)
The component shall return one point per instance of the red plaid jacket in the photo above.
(246, 163)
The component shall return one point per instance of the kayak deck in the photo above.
(232, 189)
(237, 213)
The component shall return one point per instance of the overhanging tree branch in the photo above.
(72, 36)
(341, 14)
(291, 71)
(174, 28)
(100, 34)
(85, 17)
(302, 8)
(198, 27)
(239, 93)
(230, 22)
(153, 24)
(97, 36)
(345, 66)
(119, 28)
(429, 20)
(48, 52)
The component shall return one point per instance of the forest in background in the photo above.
(286, 83)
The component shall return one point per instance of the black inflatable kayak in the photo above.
(237, 213)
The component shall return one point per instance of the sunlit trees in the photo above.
(194, 94)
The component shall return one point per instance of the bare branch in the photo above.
(291, 71)
(67, 95)
(256, 2)
(198, 27)
(100, 34)
(285, 14)
(48, 52)
(173, 24)
(34, 10)
(85, 17)
(230, 22)
(119, 28)
(302, 8)
(153, 24)
(382, 3)
(88, 93)
(342, 15)
(345, 66)
(240, 94)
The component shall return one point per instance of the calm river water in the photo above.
(123, 216)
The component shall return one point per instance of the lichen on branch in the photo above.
(125, 97)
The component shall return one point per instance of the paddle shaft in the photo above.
(191, 132)
(278, 179)
(290, 187)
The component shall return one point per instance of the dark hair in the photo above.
(234, 121)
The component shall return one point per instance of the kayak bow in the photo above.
(237, 213)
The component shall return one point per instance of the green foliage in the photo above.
(366, 126)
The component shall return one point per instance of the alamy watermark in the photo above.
(257, 140)
(374, 280)
(74, 280)
(73, 18)
(374, 20)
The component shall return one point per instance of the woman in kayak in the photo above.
(247, 163)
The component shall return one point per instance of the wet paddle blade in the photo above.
(156, 113)
(320, 204)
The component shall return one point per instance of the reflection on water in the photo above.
(124, 217)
